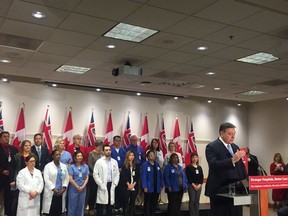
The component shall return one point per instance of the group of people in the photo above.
(35, 182)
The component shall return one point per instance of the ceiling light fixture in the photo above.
(138, 94)
(217, 88)
(129, 32)
(98, 89)
(209, 101)
(111, 46)
(38, 14)
(252, 93)
(258, 58)
(54, 85)
(239, 104)
(210, 73)
(175, 98)
(202, 48)
(4, 79)
(5, 61)
(73, 69)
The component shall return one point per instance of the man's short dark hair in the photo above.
(106, 145)
(225, 126)
(115, 137)
(38, 134)
(4, 132)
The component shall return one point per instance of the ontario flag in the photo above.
(46, 130)
(109, 131)
(20, 133)
(1, 121)
(91, 135)
(191, 144)
(145, 135)
(127, 133)
(162, 137)
(176, 138)
(68, 132)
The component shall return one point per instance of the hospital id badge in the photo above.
(197, 171)
(133, 173)
(118, 158)
(80, 174)
(148, 169)
(9, 158)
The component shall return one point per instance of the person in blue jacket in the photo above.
(176, 184)
(152, 184)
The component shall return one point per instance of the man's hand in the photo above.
(238, 155)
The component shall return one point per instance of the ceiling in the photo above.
(72, 33)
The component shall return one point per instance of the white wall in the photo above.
(206, 117)
(268, 131)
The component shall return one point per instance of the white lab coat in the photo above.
(100, 177)
(26, 183)
(50, 177)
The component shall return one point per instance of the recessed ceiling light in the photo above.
(111, 46)
(217, 88)
(138, 93)
(239, 104)
(4, 79)
(287, 98)
(54, 85)
(176, 98)
(209, 101)
(72, 69)
(258, 58)
(38, 14)
(202, 48)
(197, 86)
(253, 93)
(129, 32)
(98, 89)
(5, 61)
(210, 73)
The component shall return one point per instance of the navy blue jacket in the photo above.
(147, 177)
(171, 177)
(119, 157)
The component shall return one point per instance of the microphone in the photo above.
(260, 168)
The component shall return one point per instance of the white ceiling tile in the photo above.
(97, 55)
(86, 24)
(118, 10)
(158, 65)
(182, 6)
(264, 21)
(195, 27)
(62, 4)
(153, 18)
(49, 58)
(178, 57)
(22, 11)
(84, 62)
(146, 51)
(192, 47)
(5, 7)
(14, 53)
(72, 38)
(26, 29)
(187, 69)
(59, 49)
(232, 53)
(227, 11)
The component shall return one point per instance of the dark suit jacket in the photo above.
(126, 176)
(5, 165)
(221, 169)
(44, 157)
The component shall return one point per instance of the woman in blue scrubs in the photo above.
(78, 178)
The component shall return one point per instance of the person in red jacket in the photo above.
(77, 146)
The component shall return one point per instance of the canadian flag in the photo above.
(20, 133)
(91, 135)
(127, 133)
(68, 132)
(1, 120)
(162, 137)
(191, 144)
(109, 131)
(176, 138)
(46, 130)
(145, 135)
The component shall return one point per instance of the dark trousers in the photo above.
(119, 196)
(129, 202)
(150, 203)
(224, 207)
(56, 206)
(283, 211)
(174, 202)
(8, 197)
(92, 193)
(109, 207)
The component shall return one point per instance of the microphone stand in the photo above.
(260, 168)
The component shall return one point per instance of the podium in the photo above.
(239, 200)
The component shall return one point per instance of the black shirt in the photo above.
(194, 175)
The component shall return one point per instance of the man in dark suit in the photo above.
(40, 151)
(225, 167)
(7, 170)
